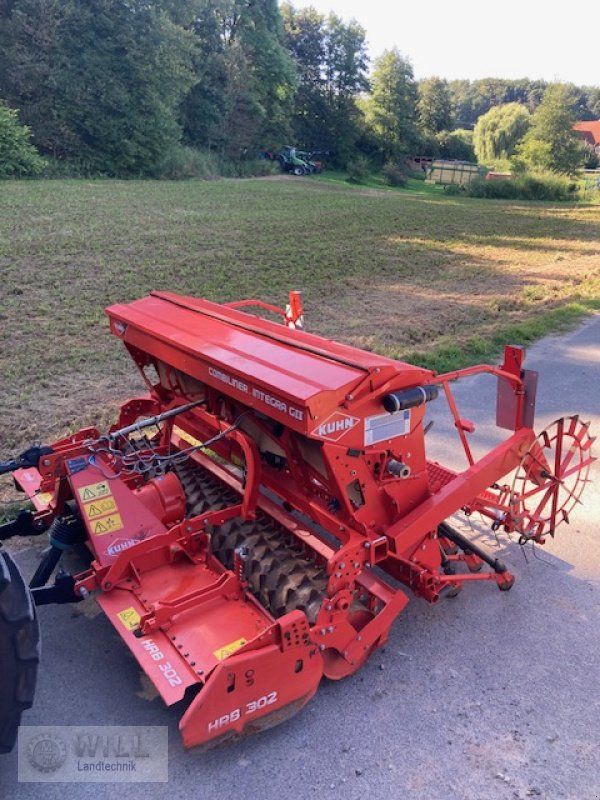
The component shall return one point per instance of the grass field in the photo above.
(414, 275)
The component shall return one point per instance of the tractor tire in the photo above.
(298, 171)
(19, 650)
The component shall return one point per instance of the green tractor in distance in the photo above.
(298, 162)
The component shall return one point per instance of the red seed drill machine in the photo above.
(253, 522)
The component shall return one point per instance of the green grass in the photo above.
(441, 280)
(376, 181)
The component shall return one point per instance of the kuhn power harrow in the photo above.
(250, 519)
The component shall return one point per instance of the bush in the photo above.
(453, 189)
(182, 163)
(525, 186)
(248, 168)
(358, 170)
(394, 174)
(18, 157)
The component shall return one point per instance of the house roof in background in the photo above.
(590, 130)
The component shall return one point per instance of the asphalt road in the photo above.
(489, 695)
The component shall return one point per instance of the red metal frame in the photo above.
(300, 434)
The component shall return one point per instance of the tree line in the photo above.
(112, 86)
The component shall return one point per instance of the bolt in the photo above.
(342, 564)
(83, 592)
(321, 647)
(108, 585)
(359, 638)
(329, 607)
(323, 631)
(330, 629)
(367, 545)
(367, 564)
(46, 462)
(356, 565)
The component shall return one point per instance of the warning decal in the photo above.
(94, 490)
(130, 618)
(229, 649)
(109, 524)
(98, 508)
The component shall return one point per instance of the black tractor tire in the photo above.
(19, 650)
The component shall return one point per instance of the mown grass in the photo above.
(440, 280)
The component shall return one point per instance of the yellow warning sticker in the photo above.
(44, 498)
(187, 437)
(229, 649)
(99, 508)
(109, 524)
(94, 490)
(130, 618)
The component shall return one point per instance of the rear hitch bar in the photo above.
(469, 547)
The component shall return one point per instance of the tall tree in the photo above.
(304, 31)
(593, 93)
(204, 107)
(498, 132)
(434, 106)
(245, 77)
(391, 108)
(331, 61)
(550, 142)
(29, 55)
(271, 68)
(104, 85)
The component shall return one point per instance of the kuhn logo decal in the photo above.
(335, 426)
(119, 545)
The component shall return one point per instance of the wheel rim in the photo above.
(551, 478)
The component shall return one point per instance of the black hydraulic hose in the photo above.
(46, 567)
(62, 534)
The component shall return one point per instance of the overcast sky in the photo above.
(469, 39)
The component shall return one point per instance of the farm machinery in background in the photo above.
(255, 521)
(301, 162)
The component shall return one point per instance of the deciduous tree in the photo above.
(434, 106)
(550, 142)
(391, 108)
(499, 131)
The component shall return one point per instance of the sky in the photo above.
(549, 40)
